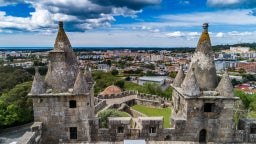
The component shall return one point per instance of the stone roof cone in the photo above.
(38, 86)
(203, 62)
(189, 85)
(179, 78)
(63, 66)
(61, 38)
(80, 86)
(62, 43)
(88, 75)
(225, 87)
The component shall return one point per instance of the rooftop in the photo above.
(111, 90)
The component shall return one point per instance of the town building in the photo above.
(160, 80)
(247, 66)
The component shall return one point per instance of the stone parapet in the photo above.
(100, 105)
(34, 136)
(119, 95)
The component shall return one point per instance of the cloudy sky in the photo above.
(126, 23)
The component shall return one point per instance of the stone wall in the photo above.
(34, 136)
(100, 105)
(120, 95)
(57, 115)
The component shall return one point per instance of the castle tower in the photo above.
(201, 112)
(64, 101)
(203, 62)
(63, 66)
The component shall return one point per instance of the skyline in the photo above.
(133, 23)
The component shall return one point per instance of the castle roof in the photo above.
(203, 62)
(189, 85)
(38, 84)
(111, 90)
(61, 39)
(80, 86)
(179, 78)
(63, 66)
(225, 88)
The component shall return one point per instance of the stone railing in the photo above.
(152, 100)
(239, 136)
(252, 138)
(100, 105)
(119, 95)
(153, 97)
(34, 136)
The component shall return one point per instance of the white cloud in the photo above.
(175, 34)
(223, 2)
(220, 34)
(236, 33)
(193, 34)
(232, 3)
(80, 14)
(227, 17)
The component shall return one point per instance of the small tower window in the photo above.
(152, 130)
(72, 104)
(120, 129)
(253, 129)
(73, 132)
(208, 107)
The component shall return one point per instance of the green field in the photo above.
(124, 114)
(149, 111)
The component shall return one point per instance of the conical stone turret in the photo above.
(38, 85)
(203, 62)
(225, 87)
(189, 85)
(81, 86)
(63, 66)
(88, 77)
(179, 78)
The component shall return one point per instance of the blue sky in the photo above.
(126, 23)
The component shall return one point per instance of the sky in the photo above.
(126, 23)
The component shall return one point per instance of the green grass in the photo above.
(124, 114)
(149, 111)
(253, 114)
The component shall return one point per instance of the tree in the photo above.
(11, 76)
(103, 115)
(120, 83)
(114, 72)
(15, 107)
(173, 74)
(235, 82)
(241, 71)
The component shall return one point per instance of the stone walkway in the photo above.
(111, 102)
(11, 135)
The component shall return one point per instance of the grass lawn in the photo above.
(124, 114)
(253, 114)
(149, 111)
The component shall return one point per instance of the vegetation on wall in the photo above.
(103, 115)
(249, 103)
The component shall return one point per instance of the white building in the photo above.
(152, 79)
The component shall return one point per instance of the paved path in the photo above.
(120, 100)
(111, 102)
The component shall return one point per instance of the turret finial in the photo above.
(60, 24)
(205, 27)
